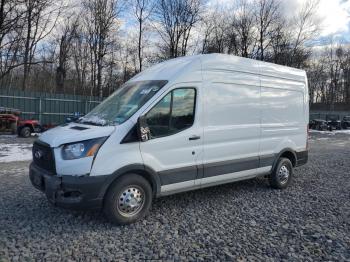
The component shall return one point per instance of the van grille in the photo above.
(43, 156)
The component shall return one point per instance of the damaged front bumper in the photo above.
(77, 192)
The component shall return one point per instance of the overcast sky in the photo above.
(334, 14)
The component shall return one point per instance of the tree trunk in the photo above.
(99, 82)
(140, 42)
(27, 49)
(60, 77)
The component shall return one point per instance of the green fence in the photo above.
(47, 108)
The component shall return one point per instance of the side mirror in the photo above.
(143, 130)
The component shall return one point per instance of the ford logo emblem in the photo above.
(38, 154)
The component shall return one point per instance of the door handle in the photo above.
(194, 137)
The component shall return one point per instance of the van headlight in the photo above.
(82, 149)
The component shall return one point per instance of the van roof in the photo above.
(190, 68)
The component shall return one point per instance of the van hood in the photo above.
(74, 132)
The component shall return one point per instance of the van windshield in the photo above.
(123, 103)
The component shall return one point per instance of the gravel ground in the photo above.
(244, 221)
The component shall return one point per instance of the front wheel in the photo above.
(281, 176)
(25, 132)
(128, 199)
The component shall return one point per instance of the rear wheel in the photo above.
(281, 176)
(25, 132)
(128, 199)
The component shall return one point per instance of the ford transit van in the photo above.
(184, 124)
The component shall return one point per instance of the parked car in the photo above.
(10, 121)
(333, 122)
(319, 124)
(345, 123)
(184, 124)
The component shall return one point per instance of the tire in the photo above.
(282, 175)
(121, 205)
(25, 132)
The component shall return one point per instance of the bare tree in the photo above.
(80, 56)
(216, 32)
(40, 19)
(174, 20)
(10, 17)
(317, 78)
(266, 15)
(100, 19)
(329, 76)
(244, 25)
(11, 26)
(43, 49)
(69, 32)
(306, 25)
(142, 11)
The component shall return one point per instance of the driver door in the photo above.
(174, 149)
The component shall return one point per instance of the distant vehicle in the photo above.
(333, 122)
(345, 123)
(11, 122)
(184, 124)
(74, 117)
(9, 118)
(318, 124)
(28, 127)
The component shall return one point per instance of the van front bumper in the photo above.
(77, 192)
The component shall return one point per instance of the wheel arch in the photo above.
(31, 127)
(287, 153)
(26, 125)
(148, 173)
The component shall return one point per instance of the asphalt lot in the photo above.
(244, 221)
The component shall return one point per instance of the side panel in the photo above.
(231, 123)
(283, 121)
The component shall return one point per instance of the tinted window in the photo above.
(174, 113)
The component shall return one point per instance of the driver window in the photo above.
(172, 114)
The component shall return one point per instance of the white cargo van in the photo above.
(184, 124)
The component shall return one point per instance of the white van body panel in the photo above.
(114, 155)
(231, 121)
(247, 113)
(67, 133)
(182, 69)
(284, 114)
